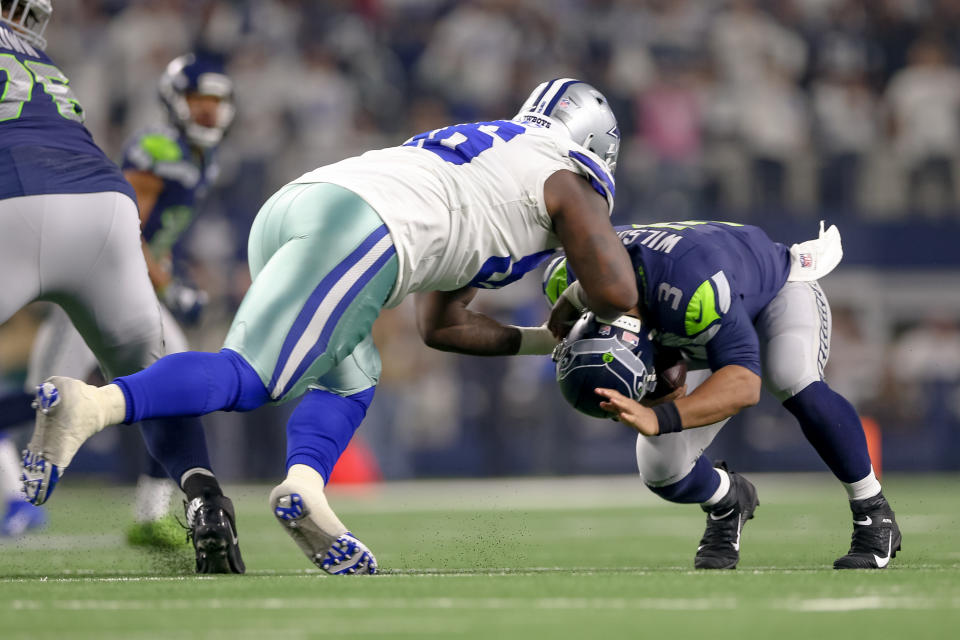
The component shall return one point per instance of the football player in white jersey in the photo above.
(448, 212)
(70, 234)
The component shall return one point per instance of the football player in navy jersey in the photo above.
(450, 211)
(70, 234)
(744, 311)
(170, 167)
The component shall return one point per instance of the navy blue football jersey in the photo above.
(702, 285)
(44, 147)
(186, 175)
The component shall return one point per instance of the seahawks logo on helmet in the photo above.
(614, 355)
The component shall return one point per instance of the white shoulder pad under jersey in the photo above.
(464, 204)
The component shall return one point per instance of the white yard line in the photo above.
(820, 605)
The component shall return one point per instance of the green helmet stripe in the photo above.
(701, 310)
(557, 282)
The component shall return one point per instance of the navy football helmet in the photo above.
(201, 75)
(616, 355)
(28, 18)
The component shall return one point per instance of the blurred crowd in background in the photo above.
(759, 111)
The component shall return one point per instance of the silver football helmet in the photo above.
(28, 18)
(578, 109)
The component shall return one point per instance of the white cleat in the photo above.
(337, 555)
(68, 413)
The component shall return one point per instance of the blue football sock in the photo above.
(832, 426)
(192, 383)
(696, 487)
(321, 427)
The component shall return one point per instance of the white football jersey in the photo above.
(464, 204)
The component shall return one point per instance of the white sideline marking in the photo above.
(436, 604)
(864, 603)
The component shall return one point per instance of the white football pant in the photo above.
(82, 252)
(794, 331)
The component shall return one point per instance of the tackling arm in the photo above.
(596, 254)
(445, 323)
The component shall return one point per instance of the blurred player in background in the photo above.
(451, 211)
(743, 309)
(170, 167)
(70, 234)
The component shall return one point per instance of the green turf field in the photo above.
(572, 558)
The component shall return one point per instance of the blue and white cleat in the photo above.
(347, 556)
(339, 556)
(20, 517)
(39, 477)
(68, 413)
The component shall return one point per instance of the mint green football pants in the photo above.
(322, 264)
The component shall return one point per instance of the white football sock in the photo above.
(113, 402)
(192, 470)
(309, 484)
(867, 487)
(721, 491)
(11, 488)
(152, 498)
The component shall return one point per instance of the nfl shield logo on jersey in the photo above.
(806, 260)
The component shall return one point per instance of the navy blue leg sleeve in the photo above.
(321, 427)
(175, 445)
(695, 487)
(832, 426)
(15, 410)
(192, 383)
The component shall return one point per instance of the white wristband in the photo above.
(535, 341)
(574, 295)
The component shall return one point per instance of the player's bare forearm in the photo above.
(725, 393)
(593, 249)
(445, 323)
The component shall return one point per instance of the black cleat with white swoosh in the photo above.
(211, 525)
(720, 546)
(876, 536)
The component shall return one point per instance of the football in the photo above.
(671, 371)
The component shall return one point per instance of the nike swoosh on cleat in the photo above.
(721, 516)
(736, 545)
(883, 562)
(866, 522)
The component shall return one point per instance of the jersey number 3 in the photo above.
(461, 143)
(18, 88)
